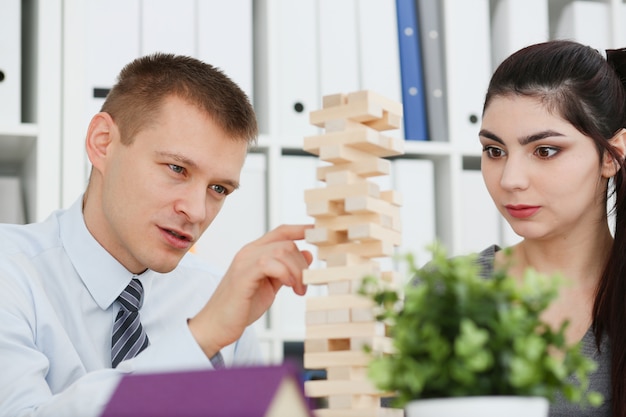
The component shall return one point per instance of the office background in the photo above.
(59, 57)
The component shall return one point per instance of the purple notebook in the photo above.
(233, 392)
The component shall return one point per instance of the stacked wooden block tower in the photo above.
(356, 224)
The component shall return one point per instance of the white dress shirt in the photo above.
(57, 307)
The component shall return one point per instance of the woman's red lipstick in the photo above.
(522, 211)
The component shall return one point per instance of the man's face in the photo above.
(159, 194)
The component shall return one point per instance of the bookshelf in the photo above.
(289, 65)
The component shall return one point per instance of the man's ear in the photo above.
(610, 166)
(100, 134)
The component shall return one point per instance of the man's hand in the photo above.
(250, 285)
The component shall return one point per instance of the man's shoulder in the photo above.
(29, 239)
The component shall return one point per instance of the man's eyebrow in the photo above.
(178, 158)
(524, 140)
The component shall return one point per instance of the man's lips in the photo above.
(177, 238)
(521, 211)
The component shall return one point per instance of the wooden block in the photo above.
(343, 372)
(328, 359)
(323, 236)
(374, 249)
(368, 204)
(370, 96)
(359, 412)
(342, 154)
(358, 111)
(339, 273)
(358, 137)
(387, 122)
(347, 330)
(338, 316)
(392, 196)
(365, 168)
(340, 288)
(337, 302)
(362, 314)
(343, 177)
(317, 345)
(379, 344)
(341, 192)
(325, 208)
(346, 259)
(343, 222)
(332, 100)
(316, 317)
(342, 125)
(357, 402)
(366, 232)
(324, 388)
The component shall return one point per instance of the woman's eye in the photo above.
(494, 152)
(219, 189)
(546, 152)
(177, 169)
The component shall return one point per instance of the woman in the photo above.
(553, 136)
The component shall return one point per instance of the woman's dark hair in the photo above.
(576, 82)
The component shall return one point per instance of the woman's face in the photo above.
(544, 176)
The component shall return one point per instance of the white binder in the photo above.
(338, 45)
(515, 24)
(168, 27)
(585, 22)
(468, 67)
(10, 62)
(224, 38)
(286, 82)
(379, 50)
(108, 50)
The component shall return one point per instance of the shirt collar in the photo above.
(104, 277)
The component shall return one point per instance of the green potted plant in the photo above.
(458, 335)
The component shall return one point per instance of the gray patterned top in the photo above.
(599, 380)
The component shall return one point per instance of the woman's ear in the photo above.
(100, 135)
(610, 166)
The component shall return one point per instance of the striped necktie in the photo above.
(129, 337)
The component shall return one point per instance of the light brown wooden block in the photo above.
(324, 388)
(343, 222)
(332, 100)
(370, 96)
(358, 402)
(379, 344)
(324, 208)
(343, 372)
(347, 259)
(368, 204)
(359, 412)
(365, 168)
(366, 232)
(337, 302)
(342, 154)
(347, 330)
(362, 138)
(323, 236)
(374, 249)
(338, 316)
(316, 317)
(339, 273)
(392, 196)
(326, 359)
(343, 177)
(326, 345)
(361, 111)
(340, 288)
(341, 192)
(362, 314)
(387, 122)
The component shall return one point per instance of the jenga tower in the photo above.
(355, 223)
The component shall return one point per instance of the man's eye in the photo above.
(219, 189)
(177, 169)
(493, 152)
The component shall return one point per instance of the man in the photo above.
(166, 150)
